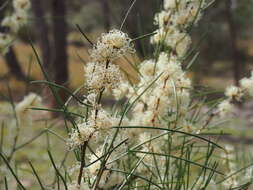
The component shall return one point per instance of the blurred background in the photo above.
(224, 38)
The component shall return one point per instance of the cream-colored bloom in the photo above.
(124, 89)
(11, 22)
(93, 169)
(20, 18)
(183, 45)
(234, 92)
(225, 108)
(101, 75)
(86, 131)
(162, 19)
(101, 120)
(110, 46)
(92, 97)
(31, 100)
(74, 140)
(21, 5)
(147, 68)
(170, 4)
(247, 84)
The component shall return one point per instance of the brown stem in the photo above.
(101, 92)
(101, 171)
(83, 149)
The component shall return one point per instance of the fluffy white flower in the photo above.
(162, 19)
(170, 4)
(93, 169)
(110, 46)
(101, 120)
(75, 140)
(92, 98)
(147, 68)
(171, 72)
(183, 45)
(178, 41)
(21, 5)
(160, 36)
(100, 76)
(74, 168)
(234, 92)
(11, 22)
(247, 84)
(31, 100)
(85, 131)
(20, 18)
(14, 21)
(225, 108)
(124, 89)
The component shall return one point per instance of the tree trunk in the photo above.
(42, 32)
(106, 13)
(233, 40)
(60, 62)
(10, 57)
(13, 65)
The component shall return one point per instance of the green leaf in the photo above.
(12, 172)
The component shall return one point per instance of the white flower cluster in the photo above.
(162, 96)
(169, 91)
(101, 74)
(98, 124)
(161, 99)
(229, 158)
(174, 21)
(111, 46)
(13, 23)
(22, 109)
(108, 179)
(246, 85)
(225, 108)
(163, 88)
(235, 93)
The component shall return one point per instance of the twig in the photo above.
(83, 149)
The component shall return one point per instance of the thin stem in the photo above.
(83, 149)
(128, 11)
(102, 91)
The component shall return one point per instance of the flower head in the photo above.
(110, 46)
(225, 108)
(234, 93)
(102, 76)
(21, 5)
(247, 84)
(31, 100)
